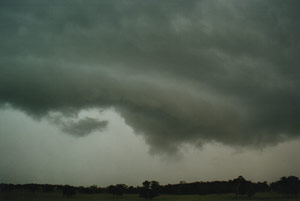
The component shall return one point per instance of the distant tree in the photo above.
(243, 187)
(92, 189)
(118, 189)
(33, 187)
(262, 187)
(250, 189)
(7, 187)
(132, 190)
(68, 191)
(150, 189)
(48, 188)
(288, 186)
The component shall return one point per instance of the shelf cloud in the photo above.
(178, 72)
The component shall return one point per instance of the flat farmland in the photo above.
(57, 196)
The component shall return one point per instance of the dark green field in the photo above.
(41, 196)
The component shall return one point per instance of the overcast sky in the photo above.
(106, 92)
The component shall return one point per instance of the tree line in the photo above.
(287, 186)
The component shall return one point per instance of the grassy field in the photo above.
(40, 196)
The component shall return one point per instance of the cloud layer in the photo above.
(177, 72)
(76, 126)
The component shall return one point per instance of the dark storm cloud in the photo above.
(178, 72)
(82, 127)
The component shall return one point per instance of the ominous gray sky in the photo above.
(130, 90)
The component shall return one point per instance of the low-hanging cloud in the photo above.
(177, 72)
(78, 127)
